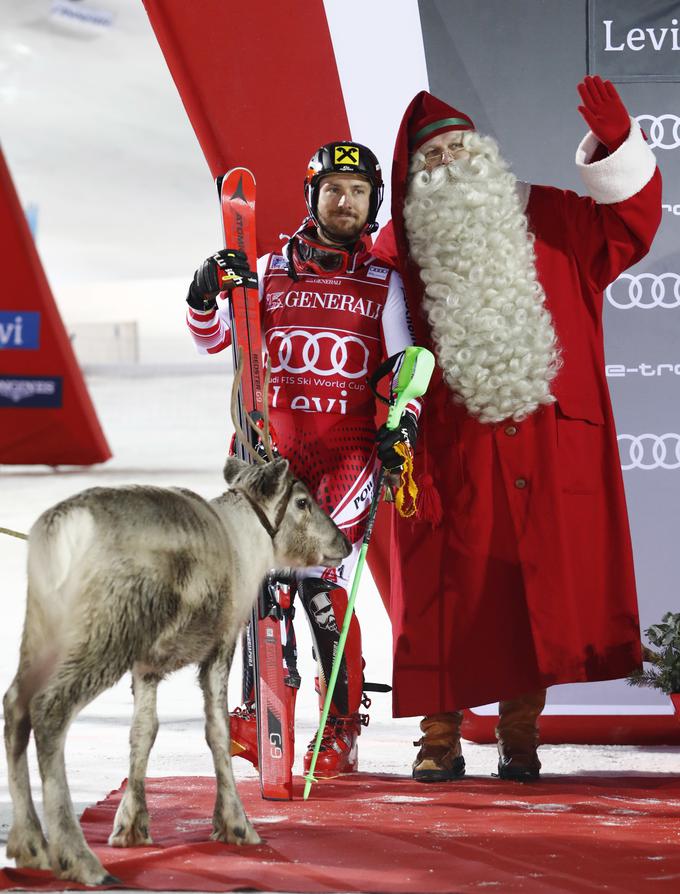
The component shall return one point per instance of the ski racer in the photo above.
(330, 312)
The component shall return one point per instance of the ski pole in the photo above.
(413, 378)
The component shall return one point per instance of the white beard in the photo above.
(467, 232)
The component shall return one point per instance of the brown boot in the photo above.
(440, 758)
(517, 734)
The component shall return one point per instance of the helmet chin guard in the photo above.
(344, 158)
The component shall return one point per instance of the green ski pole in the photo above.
(413, 378)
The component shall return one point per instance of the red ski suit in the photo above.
(324, 336)
(528, 581)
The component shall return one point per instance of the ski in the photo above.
(236, 190)
(237, 201)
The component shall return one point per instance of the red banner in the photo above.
(261, 88)
(46, 415)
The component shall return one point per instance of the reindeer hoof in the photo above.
(83, 867)
(237, 833)
(28, 850)
(133, 836)
(29, 858)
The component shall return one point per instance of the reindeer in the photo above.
(145, 579)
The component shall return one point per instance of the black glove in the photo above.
(386, 438)
(219, 273)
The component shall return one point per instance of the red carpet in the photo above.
(389, 834)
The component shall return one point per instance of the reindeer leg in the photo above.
(26, 842)
(52, 711)
(230, 823)
(131, 825)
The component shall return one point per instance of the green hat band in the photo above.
(436, 125)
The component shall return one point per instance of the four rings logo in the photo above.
(644, 290)
(320, 353)
(663, 132)
(649, 451)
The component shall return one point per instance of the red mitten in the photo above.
(604, 112)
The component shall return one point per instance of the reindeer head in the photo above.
(302, 534)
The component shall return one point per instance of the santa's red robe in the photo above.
(528, 581)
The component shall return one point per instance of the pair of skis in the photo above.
(275, 746)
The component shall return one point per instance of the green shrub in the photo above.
(665, 671)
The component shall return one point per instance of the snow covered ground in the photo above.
(173, 430)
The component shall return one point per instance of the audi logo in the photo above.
(307, 348)
(644, 290)
(649, 451)
(663, 132)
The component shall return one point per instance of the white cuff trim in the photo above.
(623, 173)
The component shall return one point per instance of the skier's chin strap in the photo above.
(272, 530)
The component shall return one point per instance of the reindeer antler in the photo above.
(240, 433)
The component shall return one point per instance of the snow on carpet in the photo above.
(378, 833)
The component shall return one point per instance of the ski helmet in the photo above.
(344, 158)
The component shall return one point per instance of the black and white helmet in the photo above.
(344, 158)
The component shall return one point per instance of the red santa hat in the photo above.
(428, 117)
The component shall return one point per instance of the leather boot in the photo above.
(440, 758)
(517, 734)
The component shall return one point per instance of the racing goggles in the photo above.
(316, 257)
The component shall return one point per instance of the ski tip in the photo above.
(239, 170)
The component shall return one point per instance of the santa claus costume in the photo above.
(523, 578)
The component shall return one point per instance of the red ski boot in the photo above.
(325, 604)
(339, 751)
(243, 732)
(243, 729)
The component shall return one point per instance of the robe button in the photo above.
(511, 430)
(520, 482)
